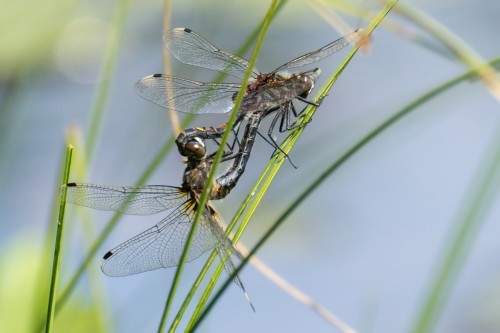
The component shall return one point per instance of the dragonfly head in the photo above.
(310, 78)
(312, 75)
(194, 149)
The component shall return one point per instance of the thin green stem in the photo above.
(218, 156)
(58, 242)
(461, 241)
(40, 293)
(483, 190)
(401, 29)
(267, 176)
(215, 276)
(107, 74)
(175, 323)
(111, 225)
(345, 157)
(454, 44)
(275, 164)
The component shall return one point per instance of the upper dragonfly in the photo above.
(266, 92)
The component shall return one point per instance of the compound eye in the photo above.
(196, 148)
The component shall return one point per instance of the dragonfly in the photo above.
(161, 246)
(265, 92)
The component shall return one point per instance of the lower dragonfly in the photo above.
(161, 246)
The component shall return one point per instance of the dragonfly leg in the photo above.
(273, 142)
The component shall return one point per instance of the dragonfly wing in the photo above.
(323, 52)
(140, 200)
(192, 49)
(185, 95)
(162, 245)
(226, 246)
(225, 250)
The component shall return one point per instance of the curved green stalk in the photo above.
(410, 107)
(218, 156)
(455, 45)
(452, 43)
(275, 163)
(266, 177)
(213, 255)
(110, 226)
(484, 190)
(107, 74)
(345, 157)
(220, 267)
(58, 241)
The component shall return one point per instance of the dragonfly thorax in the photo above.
(275, 89)
(195, 176)
(260, 81)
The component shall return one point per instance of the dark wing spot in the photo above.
(107, 255)
(71, 184)
(157, 75)
(188, 30)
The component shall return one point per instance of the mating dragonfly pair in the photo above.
(266, 94)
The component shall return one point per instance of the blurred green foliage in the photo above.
(24, 288)
(28, 30)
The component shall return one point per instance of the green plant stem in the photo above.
(111, 225)
(218, 156)
(483, 190)
(40, 293)
(213, 255)
(400, 29)
(220, 267)
(322, 177)
(58, 241)
(215, 277)
(107, 74)
(266, 177)
(346, 156)
(454, 44)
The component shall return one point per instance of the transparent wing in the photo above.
(192, 49)
(230, 267)
(323, 52)
(185, 95)
(142, 200)
(225, 250)
(226, 247)
(162, 245)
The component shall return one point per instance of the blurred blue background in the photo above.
(366, 243)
